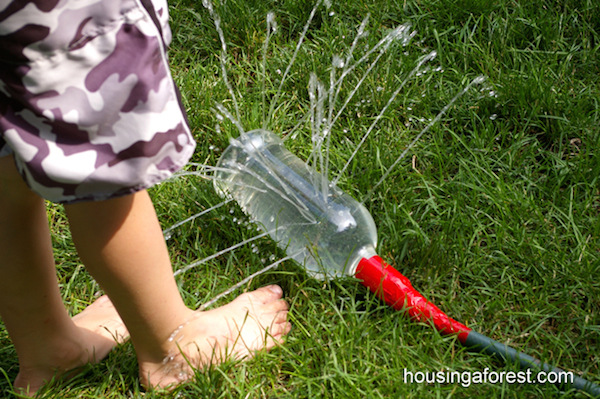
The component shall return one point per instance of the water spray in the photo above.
(311, 219)
(331, 234)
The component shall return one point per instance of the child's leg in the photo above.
(121, 243)
(45, 337)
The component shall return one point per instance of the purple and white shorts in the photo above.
(88, 107)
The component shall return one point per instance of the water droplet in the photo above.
(272, 258)
(337, 62)
(331, 13)
(235, 220)
(231, 210)
(212, 147)
(272, 219)
(271, 21)
(168, 236)
(363, 25)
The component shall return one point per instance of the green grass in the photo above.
(494, 215)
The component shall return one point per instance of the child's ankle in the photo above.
(51, 361)
(157, 350)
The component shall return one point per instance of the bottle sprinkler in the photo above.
(331, 234)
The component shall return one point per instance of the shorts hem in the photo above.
(126, 190)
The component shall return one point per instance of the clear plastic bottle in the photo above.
(321, 227)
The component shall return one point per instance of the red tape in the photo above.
(397, 291)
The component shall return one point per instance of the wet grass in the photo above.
(493, 215)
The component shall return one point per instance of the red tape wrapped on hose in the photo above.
(397, 291)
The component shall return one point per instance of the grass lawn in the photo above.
(493, 215)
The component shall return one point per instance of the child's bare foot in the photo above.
(97, 330)
(253, 321)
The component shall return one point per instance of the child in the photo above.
(89, 117)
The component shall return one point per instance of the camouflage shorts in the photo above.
(87, 103)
